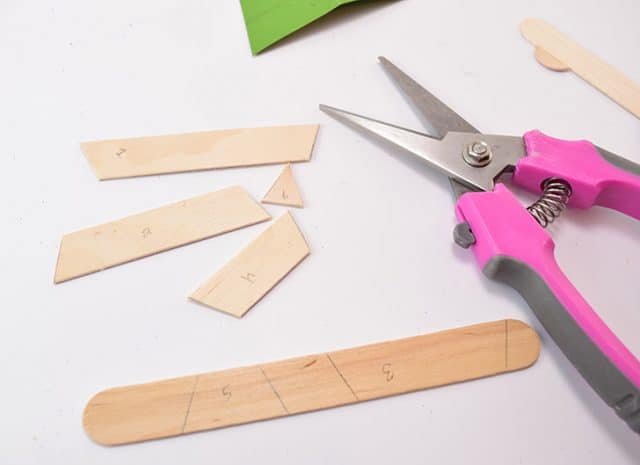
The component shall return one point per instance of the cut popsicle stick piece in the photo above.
(284, 190)
(255, 270)
(141, 156)
(260, 392)
(110, 244)
(558, 52)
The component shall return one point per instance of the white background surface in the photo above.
(383, 264)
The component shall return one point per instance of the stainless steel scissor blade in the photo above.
(504, 151)
(452, 147)
(438, 117)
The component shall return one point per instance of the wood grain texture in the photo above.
(141, 156)
(559, 52)
(110, 244)
(256, 269)
(241, 395)
(284, 190)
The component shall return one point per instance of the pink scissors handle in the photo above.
(511, 247)
(593, 180)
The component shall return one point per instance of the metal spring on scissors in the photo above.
(555, 196)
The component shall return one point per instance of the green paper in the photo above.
(269, 21)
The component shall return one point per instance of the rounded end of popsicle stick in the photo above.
(549, 61)
(537, 31)
(95, 432)
(522, 345)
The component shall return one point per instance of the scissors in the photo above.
(509, 241)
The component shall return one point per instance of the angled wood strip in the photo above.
(100, 247)
(241, 395)
(284, 190)
(141, 156)
(256, 269)
(559, 52)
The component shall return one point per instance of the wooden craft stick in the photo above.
(284, 190)
(241, 395)
(558, 52)
(100, 247)
(255, 270)
(141, 156)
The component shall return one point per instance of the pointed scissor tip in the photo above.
(337, 113)
(384, 61)
(343, 115)
(328, 109)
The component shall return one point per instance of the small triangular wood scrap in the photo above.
(284, 190)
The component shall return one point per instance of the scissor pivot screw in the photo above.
(478, 154)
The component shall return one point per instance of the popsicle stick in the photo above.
(100, 247)
(241, 395)
(255, 270)
(284, 190)
(549, 61)
(558, 52)
(141, 156)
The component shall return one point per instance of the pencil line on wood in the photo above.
(193, 393)
(343, 378)
(274, 390)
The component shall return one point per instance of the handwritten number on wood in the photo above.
(386, 369)
(249, 277)
(226, 392)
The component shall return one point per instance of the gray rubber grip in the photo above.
(603, 376)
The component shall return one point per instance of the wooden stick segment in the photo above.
(142, 156)
(559, 52)
(242, 282)
(241, 395)
(110, 244)
(284, 190)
